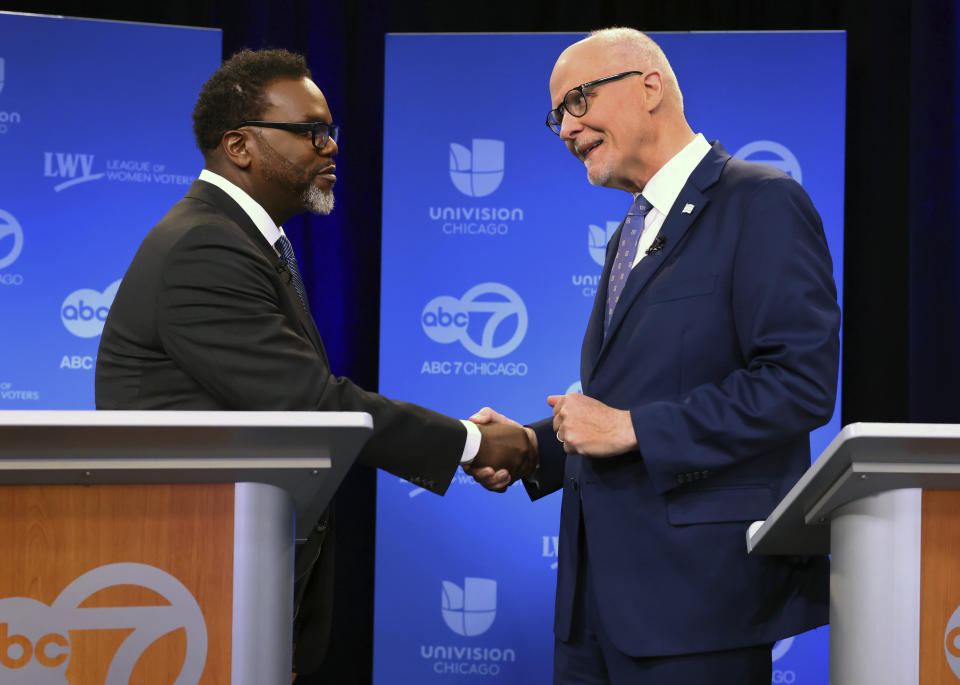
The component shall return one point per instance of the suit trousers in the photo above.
(589, 657)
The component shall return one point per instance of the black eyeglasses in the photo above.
(575, 102)
(320, 131)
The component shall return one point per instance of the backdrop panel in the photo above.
(95, 146)
(493, 243)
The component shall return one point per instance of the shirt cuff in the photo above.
(472, 445)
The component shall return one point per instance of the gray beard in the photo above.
(318, 201)
(599, 176)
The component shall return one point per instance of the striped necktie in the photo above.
(290, 261)
(626, 251)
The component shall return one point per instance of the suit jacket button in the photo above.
(573, 483)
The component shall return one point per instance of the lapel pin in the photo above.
(687, 209)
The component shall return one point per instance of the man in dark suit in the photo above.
(212, 313)
(711, 353)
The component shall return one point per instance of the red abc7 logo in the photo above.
(34, 644)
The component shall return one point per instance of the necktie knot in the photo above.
(284, 248)
(640, 207)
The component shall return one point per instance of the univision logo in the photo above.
(783, 158)
(598, 239)
(477, 172)
(469, 611)
(6, 118)
(781, 648)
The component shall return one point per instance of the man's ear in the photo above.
(237, 147)
(653, 89)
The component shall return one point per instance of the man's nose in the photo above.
(570, 126)
(330, 149)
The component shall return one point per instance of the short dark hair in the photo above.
(235, 92)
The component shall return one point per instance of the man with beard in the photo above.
(212, 313)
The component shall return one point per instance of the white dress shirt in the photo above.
(662, 190)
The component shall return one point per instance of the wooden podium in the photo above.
(884, 501)
(157, 547)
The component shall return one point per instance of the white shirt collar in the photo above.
(258, 215)
(662, 190)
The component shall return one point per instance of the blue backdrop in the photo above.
(492, 247)
(95, 146)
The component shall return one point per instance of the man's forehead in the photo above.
(297, 99)
(582, 62)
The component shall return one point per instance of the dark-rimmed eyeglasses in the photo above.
(320, 131)
(575, 102)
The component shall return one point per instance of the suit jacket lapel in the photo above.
(593, 338)
(210, 193)
(688, 206)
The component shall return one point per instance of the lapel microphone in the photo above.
(656, 245)
(284, 271)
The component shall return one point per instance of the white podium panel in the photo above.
(884, 501)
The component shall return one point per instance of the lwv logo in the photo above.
(551, 547)
(76, 168)
(477, 172)
(470, 610)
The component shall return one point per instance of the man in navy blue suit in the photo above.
(710, 355)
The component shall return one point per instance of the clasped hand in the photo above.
(505, 450)
(584, 425)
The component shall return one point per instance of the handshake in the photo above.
(508, 451)
(583, 426)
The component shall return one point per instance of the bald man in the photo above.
(711, 353)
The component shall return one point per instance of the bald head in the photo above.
(632, 46)
(619, 49)
(624, 114)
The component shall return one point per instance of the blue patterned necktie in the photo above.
(290, 261)
(626, 251)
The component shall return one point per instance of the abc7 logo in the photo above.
(951, 642)
(9, 226)
(34, 644)
(783, 159)
(84, 311)
(446, 319)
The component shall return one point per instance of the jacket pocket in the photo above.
(718, 505)
(681, 289)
